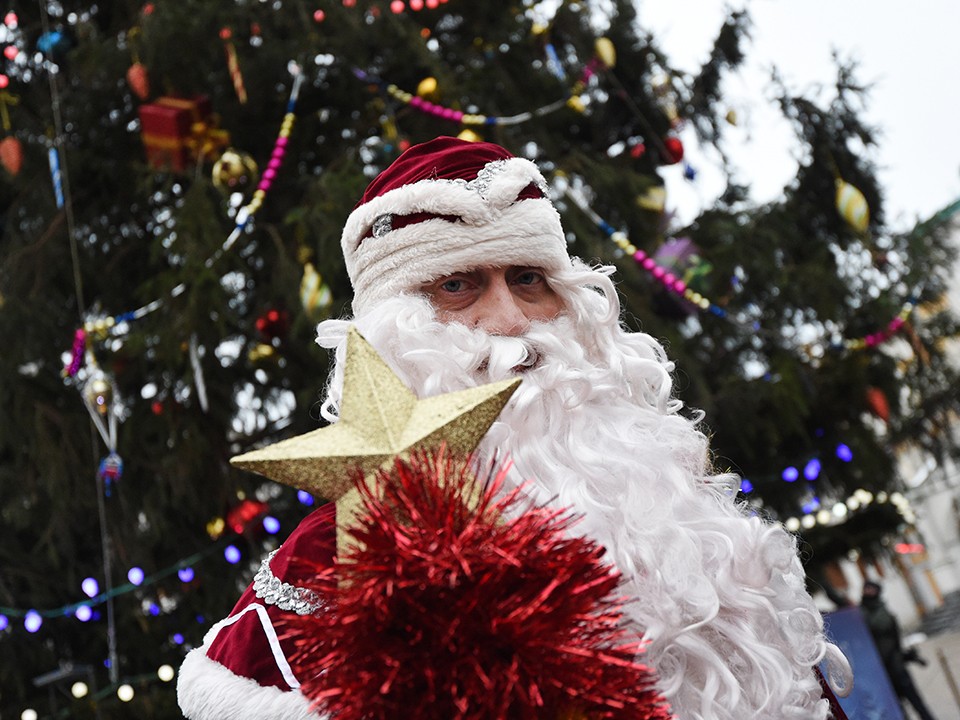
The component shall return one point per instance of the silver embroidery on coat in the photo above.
(273, 591)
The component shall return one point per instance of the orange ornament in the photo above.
(11, 154)
(877, 402)
(138, 80)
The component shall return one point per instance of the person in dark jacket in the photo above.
(885, 630)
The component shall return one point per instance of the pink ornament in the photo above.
(896, 324)
(416, 102)
(649, 264)
(275, 163)
(397, 6)
(669, 278)
(639, 256)
(269, 174)
(679, 287)
(658, 272)
(282, 142)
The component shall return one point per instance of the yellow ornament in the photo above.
(260, 351)
(731, 116)
(469, 135)
(606, 52)
(215, 528)
(427, 88)
(380, 420)
(576, 102)
(314, 293)
(852, 206)
(235, 171)
(654, 199)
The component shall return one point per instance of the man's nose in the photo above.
(498, 312)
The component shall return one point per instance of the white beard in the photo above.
(720, 596)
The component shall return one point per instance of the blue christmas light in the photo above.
(304, 497)
(812, 505)
(32, 621)
(790, 474)
(185, 574)
(178, 638)
(135, 576)
(232, 554)
(83, 613)
(746, 486)
(271, 525)
(154, 609)
(4, 622)
(844, 452)
(812, 469)
(90, 587)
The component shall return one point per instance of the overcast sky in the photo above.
(908, 52)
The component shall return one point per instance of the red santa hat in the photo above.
(445, 206)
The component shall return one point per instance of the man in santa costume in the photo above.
(461, 276)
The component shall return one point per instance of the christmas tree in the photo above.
(176, 176)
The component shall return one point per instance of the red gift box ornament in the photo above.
(178, 132)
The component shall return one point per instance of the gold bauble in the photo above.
(576, 102)
(260, 351)
(654, 199)
(852, 206)
(314, 293)
(215, 528)
(235, 171)
(732, 117)
(427, 88)
(606, 52)
(469, 135)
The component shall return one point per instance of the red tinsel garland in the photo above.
(449, 608)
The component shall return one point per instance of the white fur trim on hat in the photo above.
(494, 230)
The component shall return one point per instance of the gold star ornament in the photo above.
(380, 420)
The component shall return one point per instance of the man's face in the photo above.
(498, 300)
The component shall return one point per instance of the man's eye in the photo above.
(527, 278)
(452, 286)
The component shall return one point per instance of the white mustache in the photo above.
(507, 355)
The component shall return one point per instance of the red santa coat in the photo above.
(242, 672)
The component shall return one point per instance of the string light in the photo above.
(32, 621)
(453, 115)
(90, 587)
(663, 275)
